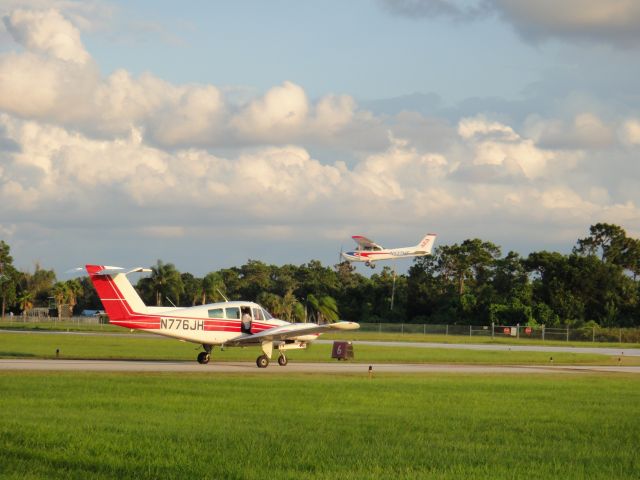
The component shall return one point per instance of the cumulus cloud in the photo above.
(496, 144)
(630, 132)
(57, 82)
(615, 22)
(47, 31)
(158, 160)
(585, 131)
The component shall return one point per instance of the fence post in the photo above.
(446, 331)
(593, 334)
(493, 330)
(567, 334)
(543, 332)
(620, 335)
(517, 330)
(402, 328)
(424, 329)
(470, 330)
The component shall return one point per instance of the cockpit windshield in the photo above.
(267, 315)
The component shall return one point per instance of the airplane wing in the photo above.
(365, 242)
(284, 332)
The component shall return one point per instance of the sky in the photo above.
(209, 133)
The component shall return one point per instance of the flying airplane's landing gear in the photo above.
(282, 360)
(263, 361)
(370, 264)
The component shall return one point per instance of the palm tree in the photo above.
(25, 302)
(165, 281)
(60, 293)
(212, 285)
(74, 290)
(325, 308)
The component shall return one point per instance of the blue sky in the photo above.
(209, 133)
(354, 47)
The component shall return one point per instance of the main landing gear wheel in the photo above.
(282, 360)
(263, 361)
(203, 358)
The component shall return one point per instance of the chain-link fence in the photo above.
(539, 332)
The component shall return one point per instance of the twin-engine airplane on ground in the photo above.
(229, 324)
(369, 252)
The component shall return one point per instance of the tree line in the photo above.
(467, 283)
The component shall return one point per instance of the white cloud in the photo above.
(281, 112)
(584, 131)
(630, 132)
(616, 22)
(492, 143)
(158, 160)
(613, 21)
(47, 31)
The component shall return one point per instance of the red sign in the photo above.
(527, 330)
(507, 331)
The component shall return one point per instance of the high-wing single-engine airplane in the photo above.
(226, 324)
(370, 252)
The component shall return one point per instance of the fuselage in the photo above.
(373, 255)
(212, 324)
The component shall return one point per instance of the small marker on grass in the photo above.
(370, 371)
(57, 352)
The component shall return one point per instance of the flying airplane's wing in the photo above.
(364, 242)
(284, 332)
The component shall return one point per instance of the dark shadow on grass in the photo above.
(16, 355)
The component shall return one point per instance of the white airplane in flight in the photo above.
(370, 252)
(228, 324)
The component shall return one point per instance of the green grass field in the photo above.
(20, 345)
(80, 425)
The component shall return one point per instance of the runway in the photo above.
(315, 368)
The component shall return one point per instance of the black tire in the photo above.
(282, 360)
(262, 361)
(203, 358)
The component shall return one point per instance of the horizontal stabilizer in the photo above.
(116, 270)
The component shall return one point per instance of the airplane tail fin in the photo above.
(426, 244)
(118, 297)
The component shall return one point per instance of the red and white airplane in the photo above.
(228, 324)
(370, 252)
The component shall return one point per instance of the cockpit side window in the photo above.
(216, 313)
(233, 313)
(257, 314)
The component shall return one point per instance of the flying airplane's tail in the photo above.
(118, 297)
(426, 244)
